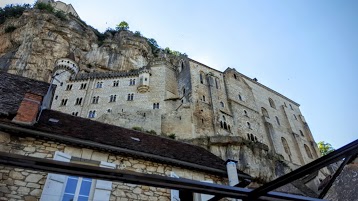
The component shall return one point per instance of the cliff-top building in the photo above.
(191, 101)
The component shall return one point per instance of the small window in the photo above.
(56, 97)
(272, 103)
(285, 146)
(216, 83)
(95, 99)
(235, 76)
(92, 114)
(133, 82)
(222, 104)
(245, 112)
(301, 133)
(78, 101)
(69, 87)
(99, 84)
(294, 116)
(201, 78)
(130, 97)
(291, 107)
(240, 98)
(64, 102)
(155, 105)
(224, 118)
(116, 83)
(248, 125)
(221, 124)
(277, 120)
(112, 98)
(83, 86)
(204, 98)
(285, 104)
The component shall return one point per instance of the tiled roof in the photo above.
(86, 129)
(13, 89)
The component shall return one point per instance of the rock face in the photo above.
(40, 38)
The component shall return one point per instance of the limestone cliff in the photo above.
(40, 38)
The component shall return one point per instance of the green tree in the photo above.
(325, 148)
(122, 26)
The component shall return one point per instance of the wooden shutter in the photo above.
(174, 194)
(103, 188)
(55, 182)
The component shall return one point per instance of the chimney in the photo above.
(232, 172)
(28, 110)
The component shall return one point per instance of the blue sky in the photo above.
(307, 50)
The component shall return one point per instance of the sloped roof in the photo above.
(13, 89)
(87, 129)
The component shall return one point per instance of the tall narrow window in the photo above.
(272, 103)
(99, 84)
(216, 83)
(291, 107)
(294, 116)
(133, 81)
(64, 102)
(222, 104)
(112, 98)
(277, 120)
(308, 151)
(83, 86)
(248, 125)
(116, 83)
(132, 97)
(78, 101)
(245, 112)
(95, 99)
(201, 79)
(240, 98)
(92, 114)
(69, 87)
(130, 82)
(235, 76)
(129, 97)
(264, 112)
(204, 98)
(155, 105)
(285, 146)
(301, 133)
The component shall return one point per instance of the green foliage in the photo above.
(12, 11)
(172, 136)
(152, 132)
(110, 30)
(10, 29)
(61, 15)
(137, 128)
(45, 6)
(137, 34)
(325, 148)
(173, 52)
(122, 26)
(153, 44)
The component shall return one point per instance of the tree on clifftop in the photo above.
(122, 26)
(325, 148)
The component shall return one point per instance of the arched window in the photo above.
(308, 151)
(132, 97)
(277, 120)
(221, 124)
(130, 82)
(248, 125)
(129, 97)
(256, 139)
(264, 112)
(245, 112)
(301, 133)
(225, 125)
(252, 137)
(222, 104)
(285, 146)
(272, 103)
(224, 118)
(248, 136)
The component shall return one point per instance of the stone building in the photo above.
(30, 130)
(61, 6)
(194, 102)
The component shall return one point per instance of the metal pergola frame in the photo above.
(348, 153)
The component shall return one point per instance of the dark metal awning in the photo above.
(264, 192)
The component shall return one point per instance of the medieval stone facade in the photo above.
(191, 101)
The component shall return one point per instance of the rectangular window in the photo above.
(83, 86)
(63, 102)
(69, 87)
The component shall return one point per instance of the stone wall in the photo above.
(20, 184)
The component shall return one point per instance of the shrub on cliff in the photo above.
(61, 15)
(45, 6)
(12, 11)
